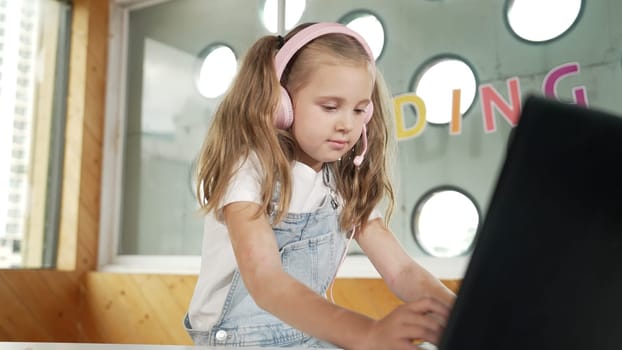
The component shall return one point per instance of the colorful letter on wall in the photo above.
(399, 102)
(455, 126)
(549, 85)
(489, 98)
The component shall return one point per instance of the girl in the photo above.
(295, 162)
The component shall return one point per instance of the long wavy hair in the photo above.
(244, 124)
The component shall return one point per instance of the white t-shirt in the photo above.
(217, 259)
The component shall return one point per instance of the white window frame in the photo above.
(111, 198)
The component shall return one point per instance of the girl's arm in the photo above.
(275, 291)
(407, 279)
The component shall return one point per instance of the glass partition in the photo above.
(166, 116)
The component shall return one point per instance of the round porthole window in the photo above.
(217, 68)
(369, 27)
(435, 83)
(445, 221)
(293, 13)
(541, 21)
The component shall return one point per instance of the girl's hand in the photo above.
(409, 324)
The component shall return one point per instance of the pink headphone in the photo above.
(285, 113)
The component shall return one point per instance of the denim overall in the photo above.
(311, 246)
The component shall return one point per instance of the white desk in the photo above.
(92, 346)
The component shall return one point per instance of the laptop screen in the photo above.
(546, 271)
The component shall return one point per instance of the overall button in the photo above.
(221, 335)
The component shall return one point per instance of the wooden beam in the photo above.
(79, 218)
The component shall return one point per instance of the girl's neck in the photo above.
(316, 169)
(303, 158)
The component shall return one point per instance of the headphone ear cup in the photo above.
(285, 113)
(369, 111)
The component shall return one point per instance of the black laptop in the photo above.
(546, 271)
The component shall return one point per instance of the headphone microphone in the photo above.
(285, 113)
(358, 160)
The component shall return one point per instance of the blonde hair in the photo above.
(244, 123)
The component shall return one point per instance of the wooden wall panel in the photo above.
(148, 309)
(371, 296)
(39, 306)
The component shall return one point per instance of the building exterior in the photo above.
(18, 62)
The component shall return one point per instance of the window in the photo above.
(541, 21)
(293, 12)
(17, 246)
(12, 229)
(369, 26)
(436, 82)
(217, 67)
(445, 221)
(33, 56)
